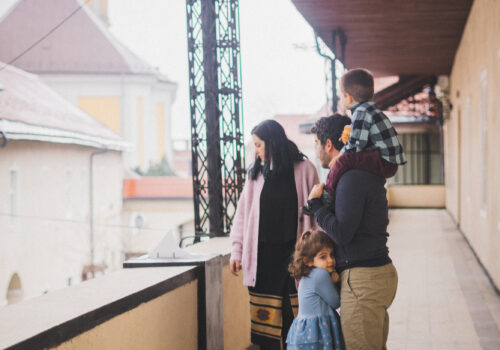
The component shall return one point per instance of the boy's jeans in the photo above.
(365, 295)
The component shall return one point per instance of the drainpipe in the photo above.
(338, 38)
(3, 139)
(91, 207)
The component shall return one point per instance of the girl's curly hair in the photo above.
(306, 248)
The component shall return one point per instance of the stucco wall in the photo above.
(167, 322)
(475, 96)
(105, 109)
(46, 241)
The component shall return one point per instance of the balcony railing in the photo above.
(178, 307)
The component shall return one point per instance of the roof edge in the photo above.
(15, 130)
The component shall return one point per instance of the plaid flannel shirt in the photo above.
(372, 129)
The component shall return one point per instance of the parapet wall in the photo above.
(138, 308)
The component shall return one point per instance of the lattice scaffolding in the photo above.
(217, 145)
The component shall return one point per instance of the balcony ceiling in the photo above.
(392, 37)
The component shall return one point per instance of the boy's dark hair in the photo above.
(331, 128)
(358, 83)
(283, 152)
(306, 248)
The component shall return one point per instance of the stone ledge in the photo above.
(56, 317)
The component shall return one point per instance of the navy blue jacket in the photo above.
(359, 224)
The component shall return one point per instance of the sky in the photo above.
(281, 71)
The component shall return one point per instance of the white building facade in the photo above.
(49, 187)
(87, 65)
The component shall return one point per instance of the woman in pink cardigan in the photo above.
(265, 228)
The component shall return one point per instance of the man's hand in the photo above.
(316, 191)
(235, 266)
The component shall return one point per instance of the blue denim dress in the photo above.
(317, 326)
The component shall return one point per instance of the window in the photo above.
(84, 193)
(483, 167)
(13, 195)
(423, 152)
(69, 183)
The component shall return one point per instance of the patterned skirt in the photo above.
(273, 300)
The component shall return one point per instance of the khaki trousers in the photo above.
(365, 295)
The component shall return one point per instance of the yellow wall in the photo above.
(167, 322)
(236, 311)
(416, 196)
(170, 321)
(104, 109)
(104, 7)
(477, 60)
(140, 144)
(159, 129)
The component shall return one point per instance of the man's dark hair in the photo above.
(331, 128)
(358, 83)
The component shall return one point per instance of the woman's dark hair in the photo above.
(331, 128)
(282, 152)
(306, 248)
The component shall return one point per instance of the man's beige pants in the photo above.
(365, 295)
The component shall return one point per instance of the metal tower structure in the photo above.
(217, 145)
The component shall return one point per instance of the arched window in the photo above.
(15, 290)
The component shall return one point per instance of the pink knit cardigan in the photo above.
(245, 230)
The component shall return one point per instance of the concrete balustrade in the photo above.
(178, 307)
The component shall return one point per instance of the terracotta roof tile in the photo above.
(158, 187)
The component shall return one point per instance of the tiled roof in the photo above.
(28, 106)
(165, 187)
(81, 45)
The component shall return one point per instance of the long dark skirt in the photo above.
(273, 300)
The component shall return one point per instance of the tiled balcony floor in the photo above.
(444, 299)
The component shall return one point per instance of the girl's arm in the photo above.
(323, 285)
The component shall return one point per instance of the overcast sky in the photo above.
(277, 77)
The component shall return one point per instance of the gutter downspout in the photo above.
(91, 208)
(3, 139)
(337, 34)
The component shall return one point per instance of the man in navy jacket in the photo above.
(358, 226)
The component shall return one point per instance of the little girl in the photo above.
(317, 326)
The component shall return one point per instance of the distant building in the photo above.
(182, 164)
(46, 148)
(86, 64)
(153, 207)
